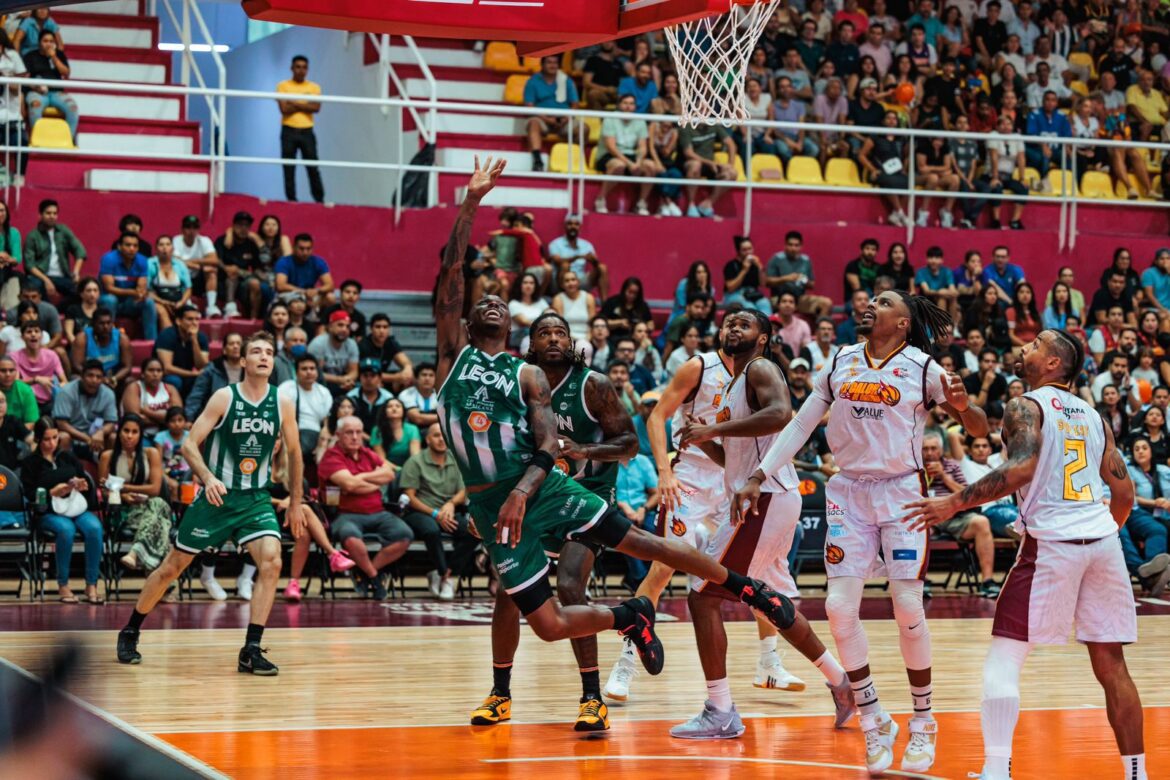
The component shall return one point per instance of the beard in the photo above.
(743, 347)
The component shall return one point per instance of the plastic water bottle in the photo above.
(403, 503)
(42, 500)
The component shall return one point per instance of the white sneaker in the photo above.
(244, 587)
(433, 581)
(895, 218)
(641, 209)
(923, 218)
(880, 731)
(919, 755)
(447, 590)
(675, 210)
(770, 673)
(664, 210)
(213, 588)
(599, 206)
(212, 311)
(230, 310)
(946, 218)
(624, 672)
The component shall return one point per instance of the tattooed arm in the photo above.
(449, 292)
(1116, 476)
(543, 423)
(1021, 433)
(620, 442)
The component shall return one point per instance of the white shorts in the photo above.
(703, 506)
(1054, 584)
(758, 547)
(864, 516)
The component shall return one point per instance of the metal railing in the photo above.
(575, 179)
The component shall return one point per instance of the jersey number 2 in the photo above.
(1077, 448)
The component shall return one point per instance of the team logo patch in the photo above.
(478, 422)
(871, 393)
(248, 466)
(807, 487)
(834, 554)
(723, 416)
(678, 527)
(562, 465)
(3, 481)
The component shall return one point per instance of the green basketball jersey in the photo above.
(239, 450)
(576, 423)
(484, 417)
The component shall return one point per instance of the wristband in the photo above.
(434, 514)
(543, 461)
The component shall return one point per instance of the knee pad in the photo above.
(787, 613)
(908, 612)
(843, 606)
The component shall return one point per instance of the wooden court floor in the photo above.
(382, 702)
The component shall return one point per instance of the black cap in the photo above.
(242, 216)
(191, 221)
(370, 366)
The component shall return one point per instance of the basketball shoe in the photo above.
(593, 716)
(624, 672)
(495, 709)
(843, 701)
(919, 755)
(128, 646)
(770, 673)
(641, 634)
(880, 731)
(252, 661)
(710, 724)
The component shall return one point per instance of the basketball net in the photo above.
(711, 55)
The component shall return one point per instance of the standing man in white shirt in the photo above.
(198, 252)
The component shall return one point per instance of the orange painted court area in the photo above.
(1048, 744)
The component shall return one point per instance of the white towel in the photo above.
(562, 87)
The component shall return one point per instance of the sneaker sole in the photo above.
(794, 687)
(263, 673)
(920, 767)
(615, 696)
(581, 725)
(131, 662)
(478, 721)
(709, 737)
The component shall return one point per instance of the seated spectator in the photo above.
(1115, 372)
(549, 88)
(989, 35)
(980, 461)
(1003, 274)
(305, 273)
(619, 375)
(227, 369)
(168, 282)
(862, 271)
(1023, 317)
(1112, 293)
(697, 146)
(313, 404)
(1156, 284)
(49, 62)
(16, 441)
(944, 477)
(1006, 160)
(936, 171)
(295, 344)
(1147, 107)
(645, 353)
(238, 255)
(87, 410)
(60, 473)
(1059, 309)
(343, 406)
(898, 268)
(360, 474)
(742, 277)
(380, 344)
(847, 330)
(338, 355)
(48, 248)
(1046, 121)
(986, 385)
(79, 315)
(143, 510)
(350, 295)
(369, 396)
(1147, 520)
(821, 350)
(198, 254)
(796, 69)
(883, 157)
(393, 437)
(1123, 263)
(865, 111)
(641, 379)
(689, 344)
(788, 108)
(792, 328)
(695, 316)
(421, 400)
(831, 107)
(47, 314)
(792, 271)
(11, 339)
(183, 350)
(124, 275)
(525, 305)
(438, 505)
(641, 85)
(637, 498)
(601, 75)
(758, 104)
(150, 398)
(626, 309)
(10, 249)
(107, 344)
(936, 282)
(596, 349)
(22, 403)
(39, 366)
(1114, 412)
(273, 243)
(625, 152)
(921, 53)
(27, 36)
(571, 252)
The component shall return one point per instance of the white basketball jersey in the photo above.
(879, 409)
(742, 454)
(704, 404)
(1065, 499)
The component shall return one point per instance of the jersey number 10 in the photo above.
(1077, 448)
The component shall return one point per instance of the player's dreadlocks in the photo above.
(575, 358)
(928, 323)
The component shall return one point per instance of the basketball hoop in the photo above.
(711, 55)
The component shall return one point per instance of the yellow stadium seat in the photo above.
(1060, 182)
(1079, 88)
(1097, 184)
(502, 57)
(1085, 60)
(842, 172)
(530, 64)
(514, 89)
(767, 168)
(50, 133)
(721, 158)
(594, 125)
(559, 158)
(805, 170)
(593, 153)
(1031, 176)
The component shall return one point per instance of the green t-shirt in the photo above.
(434, 485)
(22, 404)
(399, 451)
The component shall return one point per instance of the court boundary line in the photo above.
(155, 743)
(720, 759)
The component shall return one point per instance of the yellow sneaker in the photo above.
(495, 709)
(594, 716)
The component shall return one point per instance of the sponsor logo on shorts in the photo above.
(807, 487)
(248, 466)
(834, 510)
(478, 422)
(867, 413)
(870, 393)
(506, 565)
(200, 533)
(834, 554)
(678, 527)
(836, 530)
(905, 555)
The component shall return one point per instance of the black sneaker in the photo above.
(128, 646)
(378, 588)
(361, 584)
(642, 636)
(252, 661)
(778, 609)
(989, 590)
(995, 225)
(1017, 225)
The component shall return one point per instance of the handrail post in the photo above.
(911, 221)
(398, 189)
(1071, 230)
(747, 201)
(578, 166)
(1062, 232)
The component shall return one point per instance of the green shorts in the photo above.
(607, 491)
(244, 516)
(562, 509)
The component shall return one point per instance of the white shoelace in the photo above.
(873, 742)
(919, 742)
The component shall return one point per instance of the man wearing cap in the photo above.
(369, 397)
(864, 111)
(306, 273)
(338, 354)
(239, 258)
(198, 253)
(570, 252)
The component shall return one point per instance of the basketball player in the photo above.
(879, 394)
(755, 406)
(1061, 459)
(497, 417)
(230, 451)
(692, 502)
(596, 432)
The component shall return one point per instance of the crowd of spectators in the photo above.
(1051, 69)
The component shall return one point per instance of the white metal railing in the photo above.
(575, 179)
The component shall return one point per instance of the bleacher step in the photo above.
(130, 180)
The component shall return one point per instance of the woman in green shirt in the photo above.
(10, 258)
(393, 437)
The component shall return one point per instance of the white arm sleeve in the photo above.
(795, 434)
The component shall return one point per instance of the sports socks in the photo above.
(623, 617)
(865, 696)
(768, 646)
(1135, 767)
(1001, 704)
(136, 619)
(255, 633)
(832, 670)
(921, 698)
(591, 683)
(502, 678)
(719, 693)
